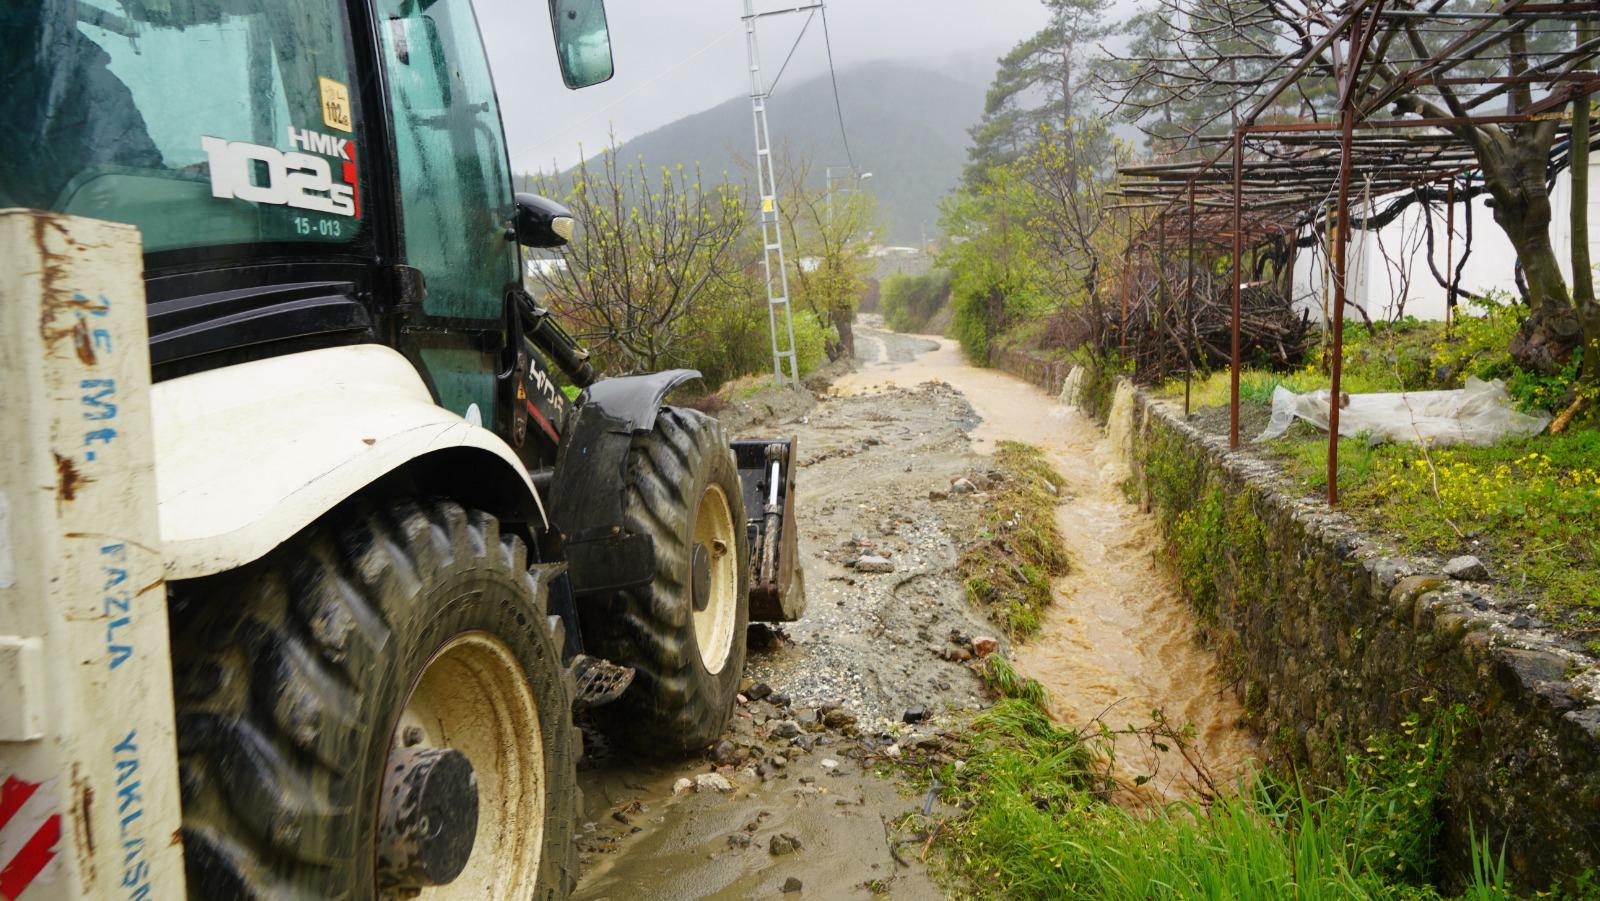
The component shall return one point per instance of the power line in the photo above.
(832, 74)
(785, 66)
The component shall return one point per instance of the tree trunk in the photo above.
(1582, 272)
(1522, 208)
(843, 317)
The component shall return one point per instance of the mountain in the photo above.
(907, 125)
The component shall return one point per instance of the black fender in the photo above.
(591, 481)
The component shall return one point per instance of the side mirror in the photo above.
(541, 222)
(583, 42)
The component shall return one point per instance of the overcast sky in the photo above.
(676, 57)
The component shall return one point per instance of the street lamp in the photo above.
(829, 171)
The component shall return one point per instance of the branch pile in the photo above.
(1163, 329)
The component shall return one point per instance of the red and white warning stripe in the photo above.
(30, 830)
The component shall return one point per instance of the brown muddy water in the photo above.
(1120, 642)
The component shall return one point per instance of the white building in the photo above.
(1390, 275)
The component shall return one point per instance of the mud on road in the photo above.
(788, 801)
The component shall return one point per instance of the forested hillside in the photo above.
(908, 127)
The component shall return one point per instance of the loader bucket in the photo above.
(766, 475)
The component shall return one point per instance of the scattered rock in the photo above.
(681, 786)
(726, 753)
(838, 718)
(791, 885)
(1466, 569)
(937, 495)
(963, 486)
(712, 782)
(785, 729)
(779, 761)
(871, 563)
(829, 765)
(915, 715)
(759, 692)
(763, 637)
(892, 752)
(783, 843)
(739, 840)
(984, 646)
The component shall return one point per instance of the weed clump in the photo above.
(1036, 823)
(1009, 569)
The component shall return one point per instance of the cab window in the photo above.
(455, 196)
(204, 124)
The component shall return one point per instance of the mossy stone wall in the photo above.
(1334, 640)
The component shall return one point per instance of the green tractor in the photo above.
(398, 556)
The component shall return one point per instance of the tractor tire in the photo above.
(683, 491)
(408, 627)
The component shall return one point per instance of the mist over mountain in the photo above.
(907, 126)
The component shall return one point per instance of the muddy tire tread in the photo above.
(269, 664)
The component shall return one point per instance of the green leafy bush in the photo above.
(910, 301)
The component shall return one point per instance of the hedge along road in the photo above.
(1119, 642)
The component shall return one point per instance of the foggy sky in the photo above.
(676, 57)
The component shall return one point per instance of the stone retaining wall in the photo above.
(1336, 639)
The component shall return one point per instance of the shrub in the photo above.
(910, 301)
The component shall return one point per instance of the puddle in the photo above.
(1119, 641)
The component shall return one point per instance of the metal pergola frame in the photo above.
(1277, 178)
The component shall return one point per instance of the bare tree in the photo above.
(1441, 61)
(830, 230)
(653, 250)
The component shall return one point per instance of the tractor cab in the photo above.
(305, 173)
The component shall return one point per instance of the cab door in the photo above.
(455, 196)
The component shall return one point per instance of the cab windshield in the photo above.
(203, 122)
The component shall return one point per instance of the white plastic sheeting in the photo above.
(1480, 413)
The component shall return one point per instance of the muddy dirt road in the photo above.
(1119, 642)
(788, 800)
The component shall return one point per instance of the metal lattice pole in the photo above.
(773, 261)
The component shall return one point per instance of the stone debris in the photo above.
(791, 885)
(871, 563)
(984, 646)
(1466, 569)
(726, 753)
(783, 843)
(682, 786)
(712, 782)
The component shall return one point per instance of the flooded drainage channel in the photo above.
(1119, 642)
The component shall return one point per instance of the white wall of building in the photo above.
(1390, 274)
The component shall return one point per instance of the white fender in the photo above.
(248, 455)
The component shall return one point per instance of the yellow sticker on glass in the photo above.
(335, 104)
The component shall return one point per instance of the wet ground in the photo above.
(830, 696)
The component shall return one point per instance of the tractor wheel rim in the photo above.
(714, 625)
(473, 697)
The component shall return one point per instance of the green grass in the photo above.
(1009, 568)
(1036, 825)
(1527, 507)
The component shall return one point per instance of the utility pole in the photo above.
(772, 256)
